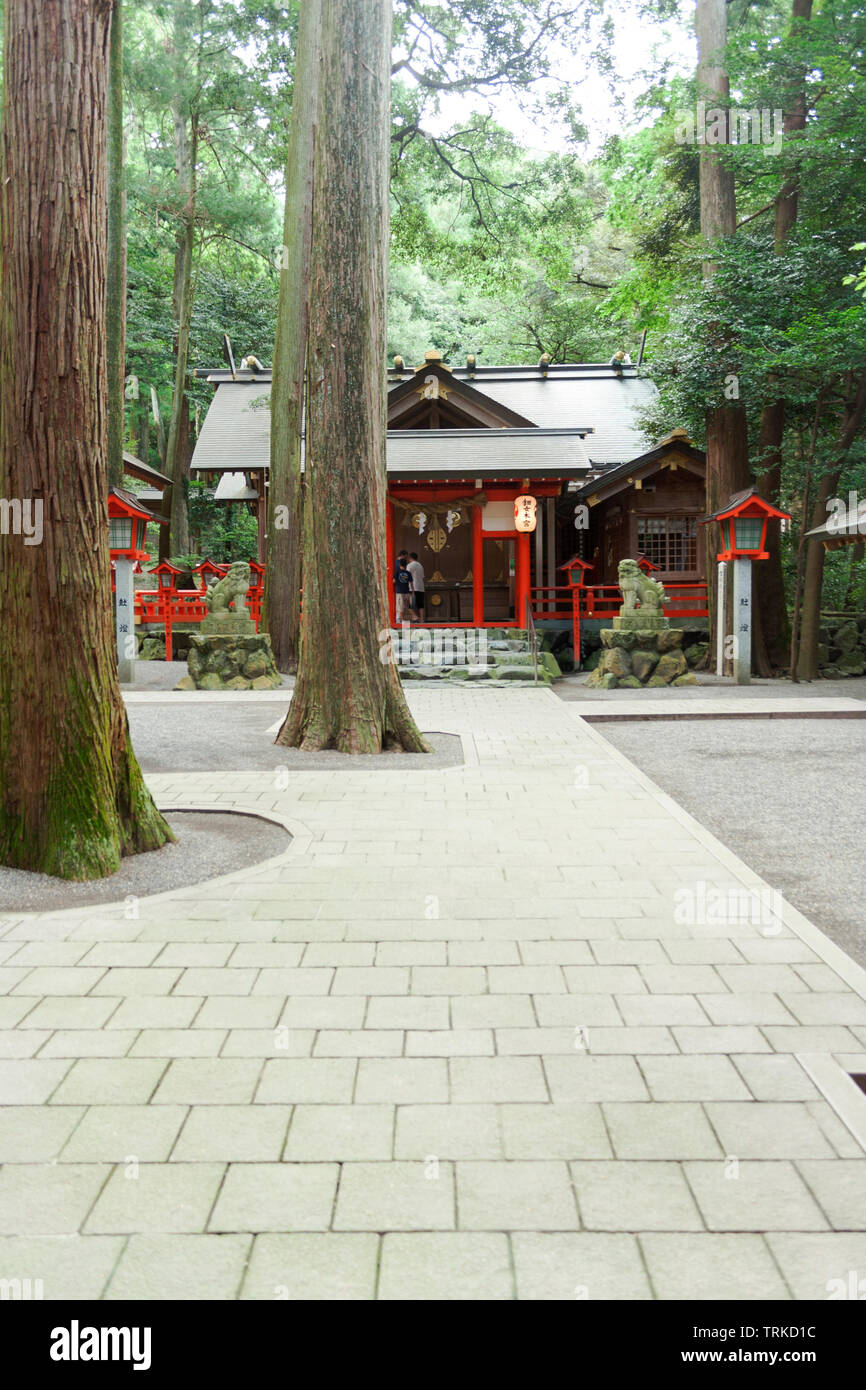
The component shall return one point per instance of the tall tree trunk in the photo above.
(285, 497)
(855, 411)
(346, 697)
(72, 797)
(115, 290)
(772, 636)
(726, 425)
(185, 124)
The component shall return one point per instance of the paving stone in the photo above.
(183, 1268)
(157, 1197)
(447, 1131)
(492, 1011)
(515, 1196)
(121, 982)
(452, 1042)
(47, 1199)
(276, 1197)
(490, 953)
(228, 1011)
(768, 1130)
(831, 1267)
(579, 1010)
(712, 1267)
(304, 980)
(460, 1265)
(672, 1129)
(401, 1080)
(735, 1038)
(117, 1133)
(411, 953)
(745, 1007)
(268, 953)
(839, 1188)
(693, 1078)
(753, 1196)
(232, 1134)
(683, 979)
(110, 1081)
(604, 979)
(198, 953)
(68, 1268)
(554, 1131)
(132, 953)
(583, 1266)
(449, 979)
(154, 1011)
(590, 1078)
(810, 1039)
(269, 1042)
(629, 1040)
(47, 979)
(662, 1010)
(30, 1081)
(526, 979)
(616, 1196)
(826, 1007)
(305, 1267)
(35, 1134)
(396, 1197)
(199, 980)
(497, 1079)
(776, 1077)
(293, 1080)
(418, 1012)
(209, 1081)
(179, 1042)
(341, 1133)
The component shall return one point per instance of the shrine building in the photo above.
(464, 443)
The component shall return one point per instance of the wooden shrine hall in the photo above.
(464, 443)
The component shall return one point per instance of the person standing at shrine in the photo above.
(416, 570)
(403, 589)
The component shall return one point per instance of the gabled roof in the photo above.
(614, 480)
(493, 413)
(143, 471)
(587, 399)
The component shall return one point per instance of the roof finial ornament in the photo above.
(544, 362)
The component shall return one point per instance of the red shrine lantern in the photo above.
(743, 524)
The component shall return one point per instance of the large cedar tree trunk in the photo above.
(285, 499)
(72, 797)
(346, 697)
(772, 635)
(726, 424)
(115, 295)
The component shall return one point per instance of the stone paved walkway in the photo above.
(497, 1031)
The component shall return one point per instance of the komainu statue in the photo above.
(638, 588)
(231, 589)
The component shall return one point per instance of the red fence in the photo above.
(183, 606)
(605, 600)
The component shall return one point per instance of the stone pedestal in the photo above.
(230, 661)
(633, 658)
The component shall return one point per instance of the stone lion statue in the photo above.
(231, 589)
(638, 588)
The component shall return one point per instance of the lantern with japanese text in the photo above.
(524, 512)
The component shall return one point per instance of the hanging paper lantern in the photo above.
(524, 512)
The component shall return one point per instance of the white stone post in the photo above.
(721, 616)
(742, 621)
(124, 620)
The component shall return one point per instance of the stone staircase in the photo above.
(493, 656)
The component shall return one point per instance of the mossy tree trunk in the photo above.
(726, 425)
(72, 797)
(285, 498)
(115, 296)
(345, 696)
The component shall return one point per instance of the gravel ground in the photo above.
(718, 688)
(238, 736)
(788, 797)
(209, 843)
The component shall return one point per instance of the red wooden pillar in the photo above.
(389, 556)
(477, 569)
(521, 586)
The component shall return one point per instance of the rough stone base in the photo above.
(632, 660)
(225, 662)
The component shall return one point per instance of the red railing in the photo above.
(183, 606)
(601, 601)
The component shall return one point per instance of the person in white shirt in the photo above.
(416, 569)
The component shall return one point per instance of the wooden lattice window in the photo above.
(669, 542)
